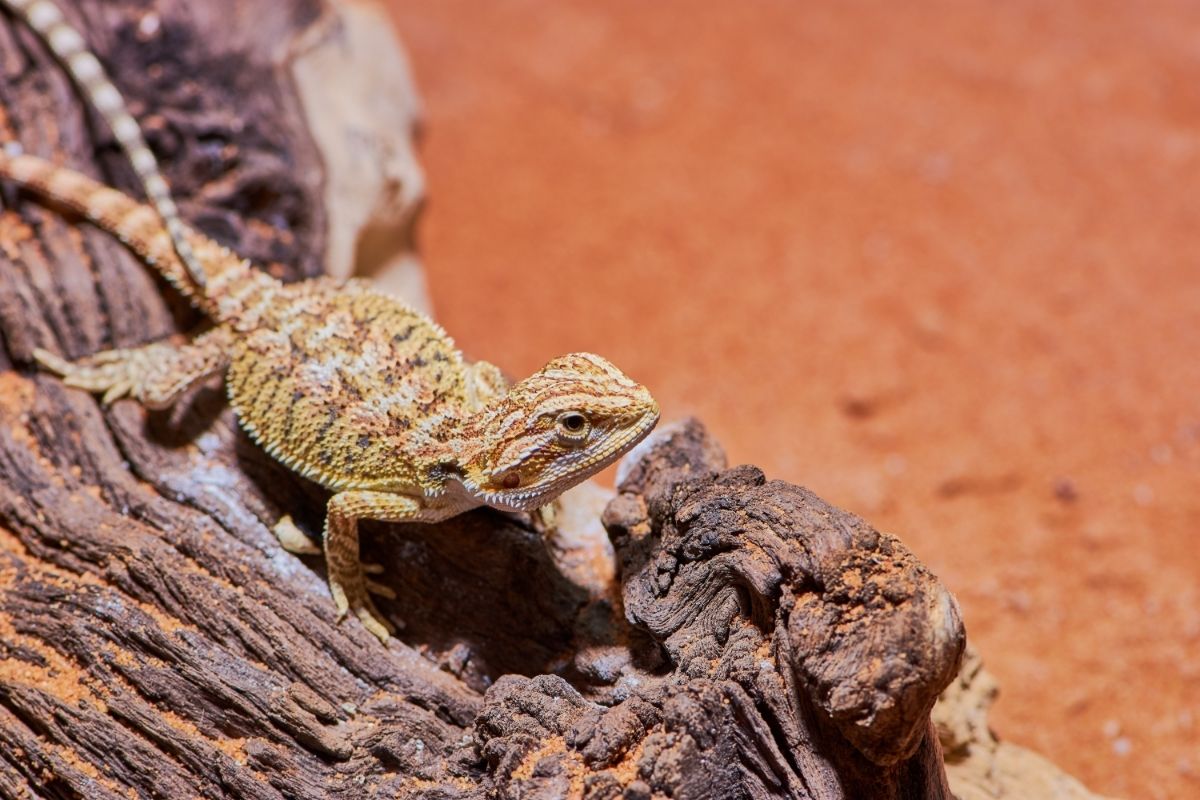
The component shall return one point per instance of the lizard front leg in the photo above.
(347, 579)
(155, 375)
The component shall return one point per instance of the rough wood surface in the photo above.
(155, 641)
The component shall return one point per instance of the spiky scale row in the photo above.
(358, 391)
(68, 45)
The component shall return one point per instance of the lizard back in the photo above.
(349, 387)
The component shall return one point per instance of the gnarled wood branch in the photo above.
(791, 650)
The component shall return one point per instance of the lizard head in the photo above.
(554, 429)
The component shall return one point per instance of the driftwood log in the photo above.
(728, 636)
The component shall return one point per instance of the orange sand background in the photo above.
(939, 262)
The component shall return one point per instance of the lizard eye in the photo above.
(573, 427)
(511, 481)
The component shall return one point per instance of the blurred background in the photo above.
(938, 261)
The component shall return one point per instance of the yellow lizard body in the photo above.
(355, 390)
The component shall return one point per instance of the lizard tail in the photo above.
(44, 17)
(230, 282)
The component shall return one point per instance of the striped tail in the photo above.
(231, 284)
(45, 18)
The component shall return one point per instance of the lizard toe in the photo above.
(340, 602)
(373, 621)
(116, 392)
(380, 590)
(50, 362)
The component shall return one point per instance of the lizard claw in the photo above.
(355, 595)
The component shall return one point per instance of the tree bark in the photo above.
(749, 640)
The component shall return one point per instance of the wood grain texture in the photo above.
(155, 640)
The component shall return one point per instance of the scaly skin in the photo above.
(356, 390)
(69, 47)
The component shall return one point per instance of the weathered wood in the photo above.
(154, 636)
(155, 639)
(792, 651)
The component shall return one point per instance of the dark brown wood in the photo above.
(154, 637)
(792, 651)
(828, 640)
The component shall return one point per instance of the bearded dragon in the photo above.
(69, 47)
(354, 390)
